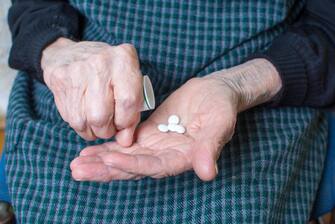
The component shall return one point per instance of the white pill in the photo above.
(172, 127)
(173, 119)
(180, 129)
(163, 128)
(176, 128)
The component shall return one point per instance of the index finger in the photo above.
(127, 86)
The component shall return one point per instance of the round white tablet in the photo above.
(163, 128)
(177, 128)
(180, 129)
(172, 127)
(173, 119)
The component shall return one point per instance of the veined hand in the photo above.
(208, 108)
(97, 87)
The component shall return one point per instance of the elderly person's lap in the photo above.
(269, 171)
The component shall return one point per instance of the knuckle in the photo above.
(129, 101)
(126, 51)
(97, 118)
(87, 136)
(105, 134)
(127, 47)
(78, 124)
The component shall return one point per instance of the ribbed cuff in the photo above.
(292, 70)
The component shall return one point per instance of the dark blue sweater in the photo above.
(304, 55)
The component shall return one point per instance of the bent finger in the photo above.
(100, 108)
(128, 95)
(106, 131)
(125, 137)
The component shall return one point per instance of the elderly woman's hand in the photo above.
(208, 109)
(97, 87)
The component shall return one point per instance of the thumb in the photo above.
(204, 160)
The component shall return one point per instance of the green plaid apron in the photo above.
(269, 172)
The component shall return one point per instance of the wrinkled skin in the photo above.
(207, 108)
(98, 90)
(97, 87)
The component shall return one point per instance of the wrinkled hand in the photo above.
(207, 109)
(97, 87)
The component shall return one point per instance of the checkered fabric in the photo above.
(269, 172)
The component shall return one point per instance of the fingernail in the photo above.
(216, 169)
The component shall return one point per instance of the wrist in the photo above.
(49, 51)
(254, 82)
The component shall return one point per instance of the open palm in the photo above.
(207, 110)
